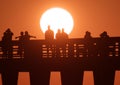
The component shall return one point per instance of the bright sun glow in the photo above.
(57, 18)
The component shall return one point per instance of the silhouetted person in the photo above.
(58, 35)
(27, 36)
(89, 45)
(49, 34)
(103, 46)
(4, 45)
(58, 42)
(21, 43)
(49, 37)
(104, 35)
(7, 44)
(64, 35)
(61, 38)
(87, 35)
(64, 38)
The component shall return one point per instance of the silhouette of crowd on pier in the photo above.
(102, 46)
(7, 47)
(61, 38)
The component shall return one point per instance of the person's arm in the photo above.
(17, 37)
(33, 36)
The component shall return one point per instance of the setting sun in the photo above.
(57, 18)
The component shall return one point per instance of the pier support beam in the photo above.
(72, 77)
(104, 72)
(10, 77)
(39, 77)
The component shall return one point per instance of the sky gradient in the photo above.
(95, 16)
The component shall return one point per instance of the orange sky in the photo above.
(95, 16)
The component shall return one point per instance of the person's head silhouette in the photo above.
(62, 30)
(26, 32)
(21, 33)
(59, 31)
(8, 30)
(48, 27)
(104, 34)
(88, 33)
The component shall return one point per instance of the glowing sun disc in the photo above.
(57, 18)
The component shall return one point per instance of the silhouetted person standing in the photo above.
(104, 35)
(64, 38)
(61, 38)
(58, 42)
(27, 36)
(103, 47)
(7, 44)
(4, 45)
(58, 35)
(87, 35)
(64, 35)
(21, 43)
(49, 37)
(49, 34)
(89, 45)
